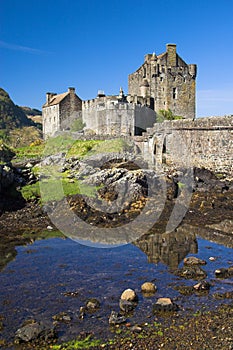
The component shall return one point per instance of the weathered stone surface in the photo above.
(127, 306)
(33, 331)
(116, 318)
(92, 304)
(165, 304)
(202, 143)
(148, 288)
(191, 272)
(224, 272)
(192, 260)
(201, 286)
(129, 295)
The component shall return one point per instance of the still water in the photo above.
(38, 283)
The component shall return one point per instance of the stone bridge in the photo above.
(204, 142)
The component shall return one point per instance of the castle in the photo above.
(162, 82)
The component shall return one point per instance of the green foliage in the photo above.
(29, 152)
(46, 234)
(66, 143)
(166, 114)
(81, 148)
(77, 344)
(77, 125)
(31, 192)
(114, 145)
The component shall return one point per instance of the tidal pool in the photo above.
(58, 275)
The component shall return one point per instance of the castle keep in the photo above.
(166, 82)
(162, 82)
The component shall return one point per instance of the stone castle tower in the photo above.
(167, 82)
(162, 82)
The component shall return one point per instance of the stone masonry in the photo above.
(162, 82)
(204, 142)
(167, 82)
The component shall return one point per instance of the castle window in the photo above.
(174, 78)
(144, 72)
(174, 93)
(161, 78)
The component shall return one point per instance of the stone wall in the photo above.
(50, 120)
(205, 142)
(168, 80)
(108, 116)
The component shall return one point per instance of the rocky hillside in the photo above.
(11, 115)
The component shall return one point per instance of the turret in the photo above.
(144, 88)
(193, 70)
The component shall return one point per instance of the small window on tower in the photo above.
(144, 72)
(174, 93)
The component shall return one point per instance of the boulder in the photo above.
(129, 295)
(191, 272)
(192, 260)
(33, 331)
(116, 318)
(92, 304)
(165, 304)
(127, 306)
(148, 288)
(224, 272)
(202, 286)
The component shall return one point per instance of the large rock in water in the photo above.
(192, 272)
(33, 331)
(129, 295)
(165, 304)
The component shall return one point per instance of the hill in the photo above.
(11, 115)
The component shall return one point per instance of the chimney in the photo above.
(71, 90)
(49, 96)
(171, 55)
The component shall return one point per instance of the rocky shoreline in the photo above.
(211, 202)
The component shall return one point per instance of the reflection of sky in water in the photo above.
(33, 285)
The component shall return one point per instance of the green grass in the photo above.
(54, 189)
(77, 344)
(112, 146)
(77, 148)
(46, 234)
(29, 152)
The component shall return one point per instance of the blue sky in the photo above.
(50, 45)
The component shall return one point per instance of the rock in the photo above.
(224, 272)
(34, 330)
(192, 260)
(129, 295)
(62, 316)
(136, 329)
(201, 286)
(212, 258)
(165, 304)
(116, 318)
(148, 288)
(191, 272)
(127, 306)
(82, 312)
(92, 304)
